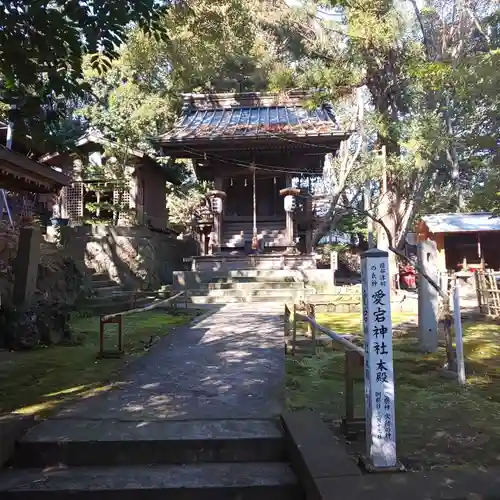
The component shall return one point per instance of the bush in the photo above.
(61, 285)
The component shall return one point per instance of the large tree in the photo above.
(418, 65)
(206, 47)
(42, 44)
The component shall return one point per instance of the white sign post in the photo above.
(457, 321)
(379, 372)
(334, 264)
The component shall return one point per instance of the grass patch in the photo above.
(351, 322)
(438, 423)
(40, 380)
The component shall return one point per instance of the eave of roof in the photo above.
(20, 166)
(93, 137)
(462, 222)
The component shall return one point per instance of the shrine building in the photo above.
(254, 148)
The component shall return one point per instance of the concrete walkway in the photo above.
(228, 366)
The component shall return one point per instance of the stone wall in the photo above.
(133, 256)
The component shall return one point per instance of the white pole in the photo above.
(380, 397)
(4, 202)
(10, 133)
(254, 206)
(334, 259)
(457, 320)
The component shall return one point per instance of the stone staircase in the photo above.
(273, 234)
(110, 296)
(250, 286)
(152, 460)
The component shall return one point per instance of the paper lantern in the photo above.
(289, 203)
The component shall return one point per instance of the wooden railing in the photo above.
(117, 319)
(353, 360)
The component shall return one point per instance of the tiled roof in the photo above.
(226, 119)
(462, 222)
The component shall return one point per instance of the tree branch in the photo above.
(427, 44)
(400, 254)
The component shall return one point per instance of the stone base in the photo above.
(367, 464)
(265, 261)
(12, 428)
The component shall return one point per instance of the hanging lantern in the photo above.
(231, 181)
(217, 205)
(289, 203)
(274, 180)
(245, 182)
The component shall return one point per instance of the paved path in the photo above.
(229, 365)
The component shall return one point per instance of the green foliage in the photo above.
(486, 196)
(42, 45)
(209, 46)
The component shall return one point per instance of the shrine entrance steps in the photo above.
(109, 296)
(196, 418)
(245, 286)
(188, 460)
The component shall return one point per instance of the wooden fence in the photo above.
(353, 359)
(488, 293)
(117, 319)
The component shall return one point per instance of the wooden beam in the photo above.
(22, 167)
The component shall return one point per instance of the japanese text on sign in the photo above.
(379, 375)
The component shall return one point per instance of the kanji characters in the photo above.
(380, 314)
(382, 366)
(379, 331)
(380, 348)
(377, 297)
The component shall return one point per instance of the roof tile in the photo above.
(253, 122)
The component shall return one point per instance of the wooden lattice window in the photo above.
(121, 197)
(73, 201)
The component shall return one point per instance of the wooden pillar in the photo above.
(309, 235)
(218, 217)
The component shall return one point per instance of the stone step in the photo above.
(248, 230)
(252, 285)
(108, 290)
(126, 295)
(246, 275)
(246, 293)
(253, 279)
(100, 305)
(271, 274)
(215, 481)
(103, 282)
(206, 299)
(111, 443)
(96, 277)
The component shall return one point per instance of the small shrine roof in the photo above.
(462, 222)
(251, 116)
(19, 173)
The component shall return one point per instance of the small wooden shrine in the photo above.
(27, 187)
(21, 174)
(464, 241)
(252, 147)
(143, 198)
